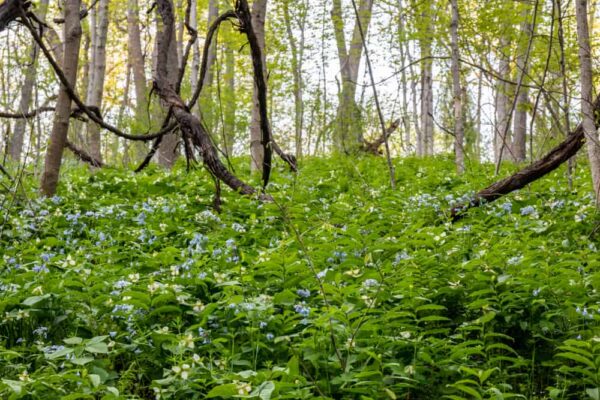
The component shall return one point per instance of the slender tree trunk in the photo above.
(459, 132)
(259, 10)
(297, 50)
(136, 58)
(167, 151)
(229, 95)
(502, 129)
(519, 144)
(16, 143)
(195, 68)
(403, 77)
(97, 73)
(207, 103)
(60, 128)
(349, 122)
(587, 108)
(426, 144)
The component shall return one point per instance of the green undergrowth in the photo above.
(132, 286)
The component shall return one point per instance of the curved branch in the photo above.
(245, 18)
(10, 10)
(558, 155)
(94, 116)
(83, 155)
(189, 124)
(207, 43)
(27, 115)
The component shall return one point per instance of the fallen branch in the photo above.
(189, 124)
(373, 147)
(83, 155)
(558, 155)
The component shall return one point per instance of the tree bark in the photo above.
(457, 92)
(189, 124)
(16, 143)
(349, 124)
(58, 136)
(502, 125)
(426, 144)
(587, 108)
(297, 50)
(207, 102)
(136, 58)
(259, 10)
(229, 103)
(519, 144)
(99, 27)
(167, 151)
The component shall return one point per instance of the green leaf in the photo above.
(15, 386)
(100, 348)
(82, 360)
(95, 379)
(578, 358)
(35, 299)
(593, 393)
(59, 353)
(264, 391)
(73, 340)
(468, 390)
(227, 391)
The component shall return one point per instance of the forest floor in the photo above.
(132, 286)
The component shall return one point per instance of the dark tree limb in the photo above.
(150, 154)
(551, 161)
(212, 30)
(92, 114)
(10, 10)
(188, 123)
(245, 17)
(27, 115)
(186, 54)
(5, 172)
(374, 146)
(82, 14)
(83, 155)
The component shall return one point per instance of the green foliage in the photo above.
(130, 286)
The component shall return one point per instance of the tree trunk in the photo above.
(189, 124)
(259, 10)
(167, 151)
(195, 68)
(99, 28)
(426, 144)
(519, 144)
(58, 136)
(404, 50)
(136, 58)
(207, 102)
(229, 104)
(502, 125)
(457, 90)
(349, 133)
(587, 108)
(16, 143)
(297, 50)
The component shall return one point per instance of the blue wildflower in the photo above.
(303, 293)
(302, 309)
(529, 210)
